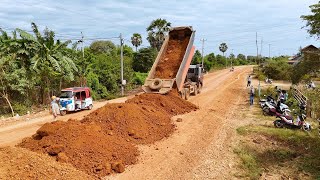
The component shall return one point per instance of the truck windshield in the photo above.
(66, 94)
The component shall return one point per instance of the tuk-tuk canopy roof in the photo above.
(78, 89)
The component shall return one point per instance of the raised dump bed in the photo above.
(172, 63)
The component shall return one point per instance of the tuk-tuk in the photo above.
(75, 99)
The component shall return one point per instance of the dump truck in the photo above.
(172, 69)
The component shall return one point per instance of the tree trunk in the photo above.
(8, 101)
(60, 85)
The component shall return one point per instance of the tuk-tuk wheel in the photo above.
(90, 106)
(62, 113)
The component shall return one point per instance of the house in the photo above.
(299, 57)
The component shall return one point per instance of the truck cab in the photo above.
(195, 74)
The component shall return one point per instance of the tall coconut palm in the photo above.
(136, 40)
(157, 31)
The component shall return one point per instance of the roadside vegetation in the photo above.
(277, 153)
(34, 65)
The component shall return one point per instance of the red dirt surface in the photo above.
(105, 140)
(85, 146)
(132, 122)
(170, 103)
(19, 163)
(170, 62)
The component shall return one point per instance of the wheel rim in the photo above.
(278, 124)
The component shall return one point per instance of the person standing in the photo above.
(251, 95)
(249, 81)
(55, 107)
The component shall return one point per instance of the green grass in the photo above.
(299, 148)
(249, 162)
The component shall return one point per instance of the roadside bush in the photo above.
(20, 109)
(139, 78)
(277, 69)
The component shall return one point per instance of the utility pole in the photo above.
(269, 51)
(261, 49)
(203, 40)
(82, 37)
(232, 57)
(121, 61)
(82, 49)
(258, 60)
(257, 47)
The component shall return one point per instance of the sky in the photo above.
(234, 22)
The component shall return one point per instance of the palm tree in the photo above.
(136, 40)
(223, 48)
(49, 59)
(157, 31)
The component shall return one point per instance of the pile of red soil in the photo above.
(170, 62)
(86, 146)
(105, 140)
(132, 122)
(19, 163)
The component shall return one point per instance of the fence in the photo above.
(302, 99)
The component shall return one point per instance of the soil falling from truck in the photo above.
(169, 64)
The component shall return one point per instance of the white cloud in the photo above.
(232, 21)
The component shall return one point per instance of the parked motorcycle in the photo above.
(273, 109)
(268, 81)
(290, 122)
(269, 99)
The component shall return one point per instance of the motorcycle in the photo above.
(290, 122)
(269, 99)
(273, 109)
(268, 81)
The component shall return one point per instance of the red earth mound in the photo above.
(133, 122)
(19, 163)
(169, 64)
(86, 146)
(104, 141)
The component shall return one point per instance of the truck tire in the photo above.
(156, 84)
(199, 88)
(63, 112)
(187, 94)
(195, 90)
(183, 94)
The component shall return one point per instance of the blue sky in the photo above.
(234, 21)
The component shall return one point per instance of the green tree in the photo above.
(12, 79)
(241, 57)
(313, 20)
(98, 47)
(196, 58)
(232, 56)
(143, 59)
(49, 60)
(310, 64)
(277, 69)
(157, 31)
(136, 40)
(221, 60)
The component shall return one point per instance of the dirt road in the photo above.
(201, 147)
